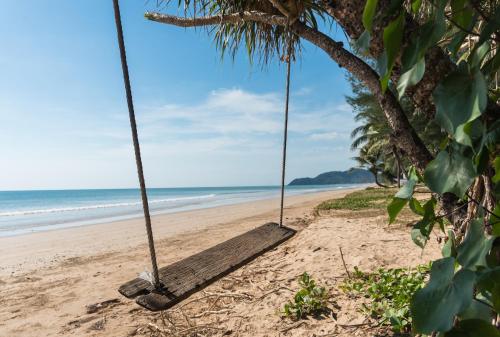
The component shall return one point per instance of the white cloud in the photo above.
(229, 121)
(231, 112)
(228, 137)
(324, 136)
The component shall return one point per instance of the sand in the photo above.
(63, 282)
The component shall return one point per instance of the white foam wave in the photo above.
(90, 207)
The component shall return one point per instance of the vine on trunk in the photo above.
(462, 297)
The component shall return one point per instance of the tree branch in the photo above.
(277, 4)
(217, 19)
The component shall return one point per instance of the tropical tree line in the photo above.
(428, 71)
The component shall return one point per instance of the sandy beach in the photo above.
(49, 280)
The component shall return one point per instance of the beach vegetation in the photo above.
(310, 299)
(388, 293)
(370, 198)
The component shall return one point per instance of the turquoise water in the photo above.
(24, 212)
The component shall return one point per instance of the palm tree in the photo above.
(373, 162)
(375, 139)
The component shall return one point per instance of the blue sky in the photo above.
(202, 122)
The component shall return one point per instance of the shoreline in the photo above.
(31, 251)
(43, 225)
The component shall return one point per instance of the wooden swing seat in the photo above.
(185, 277)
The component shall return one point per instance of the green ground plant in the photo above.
(311, 299)
(370, 198)
(389, 292)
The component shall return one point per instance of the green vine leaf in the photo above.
(478, 54)
(449, 248)
(411, 77)
(450, 172)
(368, 13)
(489, 285)
(421, 230)
(416, 207)
(395, 207)
(460, 98)
(496, 165)
(491, 66)
(428, 35)
(415, 5)
(492, 138)
(473, 328)
(495, 220)
(492, 26)
(406, 192)
(461, 13)
(473, 250)
(477, 310)
(362, 44)
(435, 306)
(393, 37)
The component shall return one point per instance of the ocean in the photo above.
(23, 212)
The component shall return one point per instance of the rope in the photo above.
(137, 149)
(285, 131)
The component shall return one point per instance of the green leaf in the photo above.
(450, 172)
(491, 66)
(435, 306)
(473, 328)
(362, 44)
(492, 138)
(415, 5)
(488, 285)
(462, 134)
(478, 54)
(421, 231)
(406, 192)
(416, 207)
(411, 77)
(395, 207)
(368, 14)
(496, 164)
(495, 220)
(473, 250)
(449, 248)
(491, 26)
(457, 41)
(461, 13)
(460, 98)
(477, 310)
(481, 161)
(393, 37)
(426, 36)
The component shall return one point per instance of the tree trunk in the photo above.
(379, 184)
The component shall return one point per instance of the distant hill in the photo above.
(352, 176)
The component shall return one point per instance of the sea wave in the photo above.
(90, 207)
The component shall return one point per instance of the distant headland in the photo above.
(351, 176)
